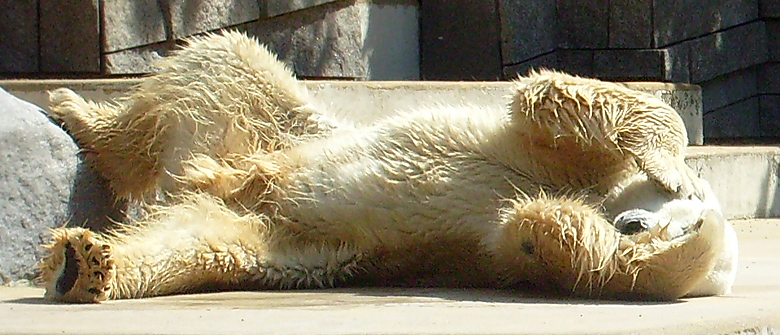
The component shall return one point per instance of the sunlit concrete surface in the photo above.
(753, 308)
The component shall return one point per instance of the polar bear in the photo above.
(577, 187)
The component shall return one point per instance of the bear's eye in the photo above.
(635, 221)
(631, 227)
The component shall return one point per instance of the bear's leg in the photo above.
(123, 149)
(558, 109)
(219, 96)
(197, 245)
(568, 244)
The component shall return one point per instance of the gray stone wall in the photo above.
(731, 48)
(351, 39)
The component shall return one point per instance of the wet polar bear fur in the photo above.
(577, 188)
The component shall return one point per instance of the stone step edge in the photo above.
(744, 178)
(385, 97)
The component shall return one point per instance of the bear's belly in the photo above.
(372, 198)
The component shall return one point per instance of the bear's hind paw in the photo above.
(79, 268)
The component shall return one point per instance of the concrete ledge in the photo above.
(745, 178)
(384, 97)
(753, 308)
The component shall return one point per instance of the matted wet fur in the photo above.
(267, 190)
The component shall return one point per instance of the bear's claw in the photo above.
(79, 268)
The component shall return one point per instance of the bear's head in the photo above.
(640, 207)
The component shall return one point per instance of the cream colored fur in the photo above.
(265, 191)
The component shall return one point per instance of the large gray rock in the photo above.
(43, 184)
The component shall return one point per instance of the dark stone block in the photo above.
(740, 119)
(769, 78)
(631, 24)
(576, 62)
(630, 65)
(668, 64)
(131, 23)
(19, 31)
(769, 8)
(728, 89)
(728, 51)
(527, 29)
(773, 39)
(583, 24)
(677, 20)
(70, 36)
(678, 67)
(454, 46)
(770, 115)
(546, 61)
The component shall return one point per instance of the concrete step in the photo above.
(745, 178)
(349, 98)
(753, 308)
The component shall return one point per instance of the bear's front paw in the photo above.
(78, 268)
(674, 175)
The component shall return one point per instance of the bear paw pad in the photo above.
(78, 268)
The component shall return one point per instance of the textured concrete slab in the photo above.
(745, 178)
(385, 97)
(753, 308)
